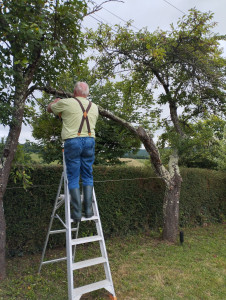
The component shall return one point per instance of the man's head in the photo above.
(81, 89)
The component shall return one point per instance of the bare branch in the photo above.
(52, 91)
(98, 7)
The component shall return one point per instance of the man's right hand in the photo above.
(49, 110)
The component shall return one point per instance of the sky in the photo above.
(152, 14)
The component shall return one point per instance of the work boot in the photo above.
(88, 197)
(76, 213)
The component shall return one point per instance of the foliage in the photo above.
(129, 200)
(21, 166)
(203, 146)
(221, 159)
(39, 39)
(112, 142)
(47, 129)
(30, 147)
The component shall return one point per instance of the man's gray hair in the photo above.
(81, 89)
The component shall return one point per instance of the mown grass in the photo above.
(131, 162)
(37, 159)
(143, 268)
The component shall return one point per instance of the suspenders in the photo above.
(84, 117)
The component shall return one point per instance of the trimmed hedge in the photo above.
(128, 200)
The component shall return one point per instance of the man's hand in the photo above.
(50, 104)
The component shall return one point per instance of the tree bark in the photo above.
(21, 84)
(171, 210)
(6, 162)
(2, 232)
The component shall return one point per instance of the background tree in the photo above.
(221, 159)
(185, 69)
(203, 149)
(39, 39)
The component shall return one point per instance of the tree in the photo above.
(221, 160)
(185, 67)
(39, 39)
(186, 70)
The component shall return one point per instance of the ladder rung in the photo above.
(88, 263)
(84, 240)
(54, 260)
(93, 218)
(89, 219)
(61, 230)
(92, 287)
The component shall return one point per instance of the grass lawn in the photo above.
(143, 268)
(37, 159)
(131, 162)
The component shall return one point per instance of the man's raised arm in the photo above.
(49, 110)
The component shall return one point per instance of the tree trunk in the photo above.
(171, 210)
(2, 232)
(6, 162)
(171, 200)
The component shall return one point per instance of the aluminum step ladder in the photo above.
(71, 243)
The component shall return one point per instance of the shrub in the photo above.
(129, 199)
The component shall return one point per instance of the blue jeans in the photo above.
(79, 155)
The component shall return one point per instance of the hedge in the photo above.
(129, 199)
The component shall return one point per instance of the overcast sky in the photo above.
(152, 14)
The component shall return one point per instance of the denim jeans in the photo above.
(79, 155)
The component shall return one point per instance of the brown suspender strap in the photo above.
(84, 117)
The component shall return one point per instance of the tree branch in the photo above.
(145, 138)
(98, 7)
(174, 118)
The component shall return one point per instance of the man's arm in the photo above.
(49, 110)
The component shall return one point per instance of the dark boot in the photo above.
(76, 203)
(88, 197)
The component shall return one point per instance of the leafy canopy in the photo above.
(204, 146)
(182, 68)
(38, 40)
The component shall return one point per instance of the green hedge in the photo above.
(129, 199)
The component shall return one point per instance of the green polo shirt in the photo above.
(71, 114)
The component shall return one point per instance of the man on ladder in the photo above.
(79, 117)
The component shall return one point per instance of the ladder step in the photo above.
(61, 230)
(104, 284)
(88, 263)
(93, 218)
(54, 260)
(87, 239)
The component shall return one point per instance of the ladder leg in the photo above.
(76, 236)
(51, 222)
(68, 239)
(103, 246)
